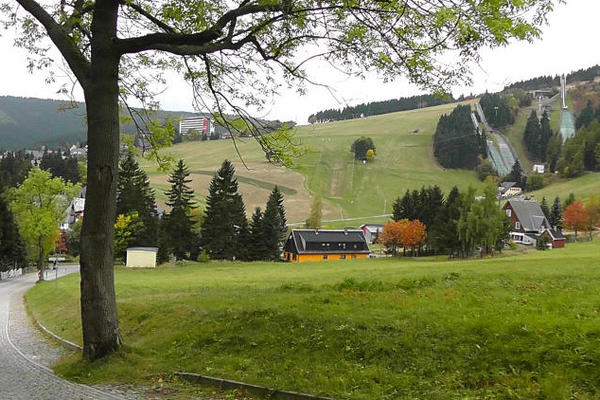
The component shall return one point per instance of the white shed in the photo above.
(141, 257)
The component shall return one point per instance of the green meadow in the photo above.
(404, 160)
(514, 327)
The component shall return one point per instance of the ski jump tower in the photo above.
(563, 91)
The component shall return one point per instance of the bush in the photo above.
(542, 244)
(203, 257)
(535, 182)
(485, 169)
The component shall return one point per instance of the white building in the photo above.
(199, 124)
(538, 168)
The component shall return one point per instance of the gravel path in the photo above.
(25, 356)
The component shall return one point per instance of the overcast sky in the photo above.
(568, 43)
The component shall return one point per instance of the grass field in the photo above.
(404, 161)
(525, 327)
(581, 187)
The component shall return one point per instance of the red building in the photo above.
(529, 224)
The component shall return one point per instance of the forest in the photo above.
(456, 144)
(380, 107)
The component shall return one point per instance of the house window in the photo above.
(517, 225)
(508, 212)
(295, 257)
(324, 256)
(342, 257)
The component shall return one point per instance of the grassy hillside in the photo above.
(404, 161)
(581, 187)
(524, 327)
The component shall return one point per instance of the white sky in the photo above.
(567, 44)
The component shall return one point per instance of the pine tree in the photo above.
(256, 247)
(272, 229)
(545, 209)
(516, 175)
(531, 136)
(134, 194)
(178, 223)
(556, 215)
(225, 227)
(444, 232)
(276, 197)
(545, 135)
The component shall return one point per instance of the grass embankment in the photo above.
(513, 327)
(404, 161)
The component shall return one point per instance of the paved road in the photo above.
(25, 356)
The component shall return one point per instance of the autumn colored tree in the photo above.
(391, 237)
(575, 217)
(413, 235)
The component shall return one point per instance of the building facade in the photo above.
(320, 245)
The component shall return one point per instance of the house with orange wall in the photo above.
(320, 245)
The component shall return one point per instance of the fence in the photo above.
(11, 273)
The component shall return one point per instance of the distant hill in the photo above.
(543, 82)
(31, 122)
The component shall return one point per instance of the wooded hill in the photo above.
(31, 122)
(542, 82)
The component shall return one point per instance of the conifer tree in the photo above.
(545, 135)
(516, 175)
(272, 228)
(225, 227)
(545, 208)
(556, 215)
(276, 197)
(134, 194)
(256, 247)
(444, 232)
(178, 223)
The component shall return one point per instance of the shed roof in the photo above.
(154, 249)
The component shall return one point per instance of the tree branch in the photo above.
(77, 62)
(193, 43)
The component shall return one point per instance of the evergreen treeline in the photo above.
(497, 109)
(226, 234)
(456, 144)
(587, 115)
(14, 167)
(537, 136)
(542, 82)
(457, 224)
(61, 165)
(379, 107)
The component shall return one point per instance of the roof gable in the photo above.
(530, 214)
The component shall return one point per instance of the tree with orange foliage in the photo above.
(413, 235)
(575, 217)
(391, 237)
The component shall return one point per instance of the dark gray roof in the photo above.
(508, 185)
(530, 214)
(329, 241)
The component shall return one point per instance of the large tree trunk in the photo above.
(99, 316)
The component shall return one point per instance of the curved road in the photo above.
(23, 353)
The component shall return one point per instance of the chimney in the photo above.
(316, 231)
(346, 231)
